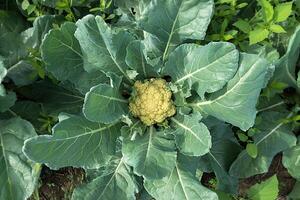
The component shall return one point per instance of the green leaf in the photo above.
(294, 195)
(266, 190)
(267, 10)
(173, 22)
(242, 137)
(206, 68)
(54, 3)
(75, 142)
(116, 182)
(224, 145)
(41, 26)
(282, 11)
(181, 184)
(152, 155)
(61, 52)
(192, 137)
(236, 102)
(258, 35)
(22, 73)
(286, 65)
(102, 48)
(251, 150)
(25, 4)
(18, 176)
(7, 101)
(243, 25)
(277, 28)
(55, 99)
(135, 59)
(3, 71)
(272, 133)
(104, 103)
(291, 161)
(298, 80)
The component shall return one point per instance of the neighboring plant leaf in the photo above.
(75, 142)
(291, 161)
(18, 176)
(206, 68)
(102, 48)
(104, 103)
(251, 150)
(258, 35)
(152, 155)
(267, 10)
(117, 182)
(272, 132)
(173, 22)
(181, 184)
(236, 103)
(192, 137)
(266, 190)
(282, 11)
(286, 65)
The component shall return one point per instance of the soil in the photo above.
(58, 184)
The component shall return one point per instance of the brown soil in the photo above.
(59, 185)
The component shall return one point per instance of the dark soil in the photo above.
(59, 185)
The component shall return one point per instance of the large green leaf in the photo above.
(272, 132)
(102, 48)
(115, 182)
(206, 68)
(152, 155)
(291, 161)
(18, 176)
(286, 66)
(75, 142)
(181, 184)
(192, 137)
(173, 22)
(61, 52)
(236, 103)
(104, 103)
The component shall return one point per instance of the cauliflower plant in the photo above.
(151, 101)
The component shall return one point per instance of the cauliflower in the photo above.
(151, 101)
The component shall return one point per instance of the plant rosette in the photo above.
(143, 115)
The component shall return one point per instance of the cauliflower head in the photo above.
(151, 101)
